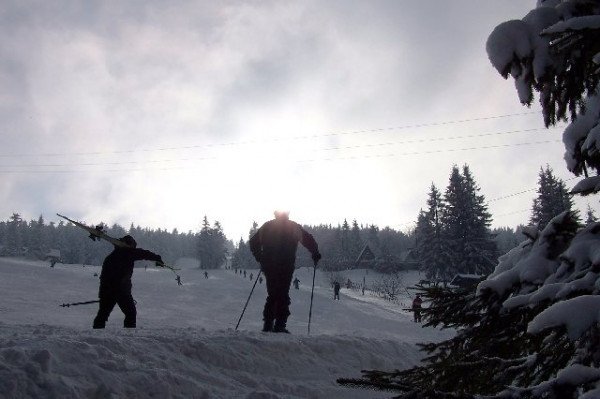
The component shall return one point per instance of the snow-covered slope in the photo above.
(185, 345)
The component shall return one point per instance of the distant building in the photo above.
(370, 257)
(466, 280)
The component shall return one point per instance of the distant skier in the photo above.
(244, 273)
(336, 290)
(178, 279)
(416, 307)
(205, 274)
(260, 280)
(251, 276)
(115, 281)
(274, 246)
(296, 283)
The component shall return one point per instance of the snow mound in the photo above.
(45, 361)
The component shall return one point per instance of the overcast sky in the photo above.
(159, 113)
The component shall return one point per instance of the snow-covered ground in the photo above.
(186, 345)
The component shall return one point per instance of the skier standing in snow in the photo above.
(274, 246)
(416, 307)
(115, 281)
(296, 283)
(336, 290)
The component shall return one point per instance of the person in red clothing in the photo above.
(274, 246)
(115, 281)
(416, 307)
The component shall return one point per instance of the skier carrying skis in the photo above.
(115, 281)
(274, 246)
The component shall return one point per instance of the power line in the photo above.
(433, 139)
(430, 152)
(524, 191)
(215, 158)
(236, 143)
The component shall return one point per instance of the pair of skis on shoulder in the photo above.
(98, 233)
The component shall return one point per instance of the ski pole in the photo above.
(79, 303)
(171, 268)
(312, 292)
(248, 300)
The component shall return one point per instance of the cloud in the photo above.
(159, 113)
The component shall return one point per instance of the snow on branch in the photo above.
(574, 24)
(586, 307)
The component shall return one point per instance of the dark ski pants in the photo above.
(417, 315)
(107, 304)
(277, 306)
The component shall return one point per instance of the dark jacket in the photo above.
(117, 269)
(417, 302)
(276, 242)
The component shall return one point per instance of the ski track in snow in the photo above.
(185, 345)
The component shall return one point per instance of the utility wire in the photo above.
(236, 143)
(429, 152)
(415, 141)
(301, 161)
(358, 146)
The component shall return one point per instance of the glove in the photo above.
(316, 257)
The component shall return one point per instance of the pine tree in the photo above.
(432, 248)
(452, 220)
(479, 246)
(590, 216)
(356, 244)
(345, 241)
(15, 235)
(553, 198)
(212, 250)
(466, 226)
(204, 244)
(218, 246)
(242, 257)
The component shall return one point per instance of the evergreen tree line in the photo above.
(35, 239)
(341, 247)
(453, 236)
